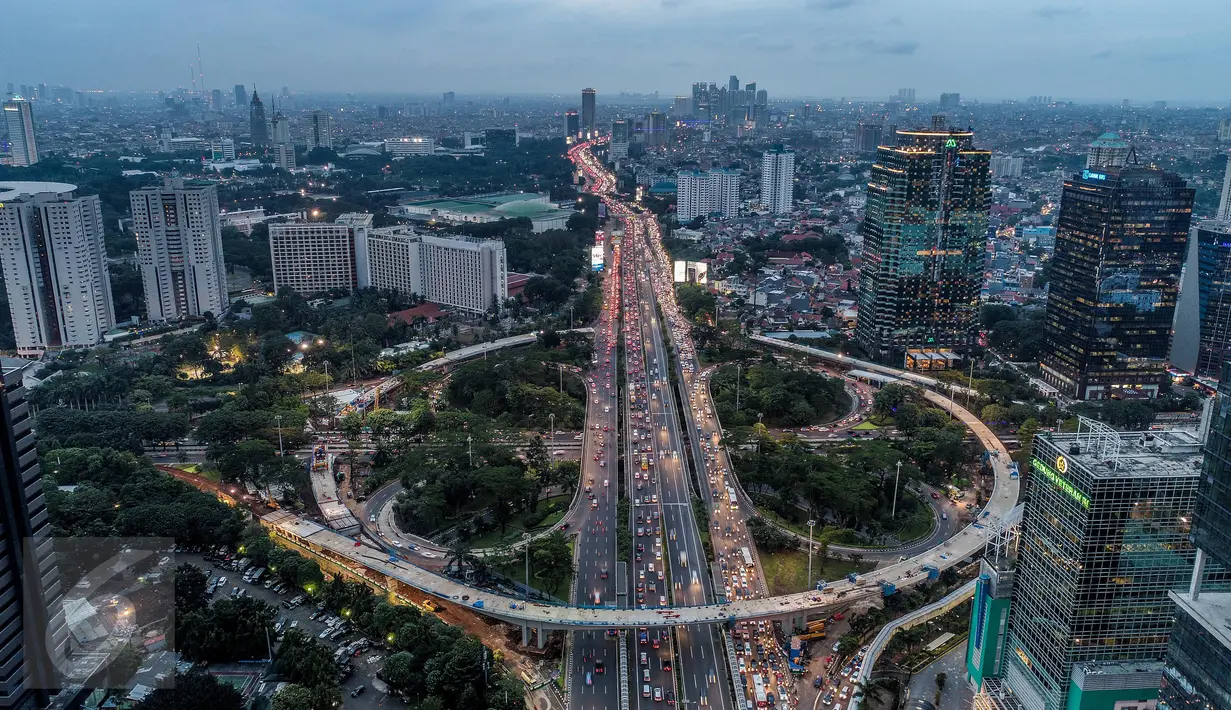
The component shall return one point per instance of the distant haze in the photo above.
(1142, 50)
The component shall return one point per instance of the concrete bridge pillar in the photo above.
(525, 634)
(542, 637)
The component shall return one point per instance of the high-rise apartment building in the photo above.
(621, 133)
(461, 272)
(449, 98)
(241, 96)
(572, 125)
(20, 121)
(258, 128)
(30, 585)
(1224, 130)
(681, 107)
(215, 99)
(313, 258)
(924, 237)
(320, 130)
(656, 134)
(778, 179)
(1121, 238)
(1104, 539)
(700, 194)
(55, 266)
(868, 137)
(284, 156)
(179, 245)
(587, 113)
(733, 83)
(953, 100)
(1197, 673)
(1006, 166)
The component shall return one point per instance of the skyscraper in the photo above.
(284, 156)
(258, 129)
(572, 125)
(55, 266)
(179, 244)
(1197, 673)
(587, 113)
(778, 179)
(1213, 246)
(448, 99)
(30, 587)
(241, 96)
(733, 83)
(1120, 244)
(1108, 151)
(924, 236)
(868, 137)
(701, 194)
(280, 128)
(953, 100)
(620, 138)
(1104, 538)
(656, 129)
(314, 258)
(215, 99)
(682, 107)
(320, 130)
(20, 122)
(1224, 202)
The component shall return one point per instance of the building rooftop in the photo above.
(1149, 454)
(17, 189)
(1211, 609)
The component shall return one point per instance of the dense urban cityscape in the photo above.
(711, 394)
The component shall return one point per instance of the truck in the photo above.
(888, 589)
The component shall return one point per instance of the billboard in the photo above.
(602, 211)
(599, 237)
(693, 272)
(596, 257)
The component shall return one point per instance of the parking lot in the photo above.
(365, 665)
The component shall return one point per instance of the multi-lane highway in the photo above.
(593, 663)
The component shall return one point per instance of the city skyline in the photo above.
(858, 48)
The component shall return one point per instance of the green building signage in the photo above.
(1060, 482)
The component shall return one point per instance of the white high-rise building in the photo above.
(20, 123)
(1224, 203)
(320, 130)
(1006, 166)
(179, 244)
(280, 129)
(318, 257)
(284, 156)
(700, 194)
(462, 272)
(778, 179)
(55, 266)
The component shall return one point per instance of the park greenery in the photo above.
(783, 394)
(520, 391)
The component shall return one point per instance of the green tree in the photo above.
(191, 583)
(552, 559)
(195, 690)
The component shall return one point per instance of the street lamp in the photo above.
(552, 417)
(896, 476)
(525, 538)
(470, 449)
(278, 418)
(811, 523)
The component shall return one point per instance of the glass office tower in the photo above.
(1104, 539)
(1115, 276)
(1213, 296)
(1198, 670)
(924, 238)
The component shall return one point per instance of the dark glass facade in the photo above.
(1214, 296)
(256, 121)
(1120, 245)
(587, 113)
(1102, 546)
(924, 238)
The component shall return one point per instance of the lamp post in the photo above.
(525, 538)
(470, 449)
(552, 418)
(896, 476)
(278, 418)
(739, 373)
(811, 523)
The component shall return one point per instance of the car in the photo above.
(599, 667)
(670, 697)
(358, 691)
(645, 691)
(645, 674)
(589, 678)
(658, 694)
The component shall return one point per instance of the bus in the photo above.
(758, 690)
(731, 500)
(743, 551)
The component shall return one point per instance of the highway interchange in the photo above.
(693, 629)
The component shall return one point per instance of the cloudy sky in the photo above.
(986, 49)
